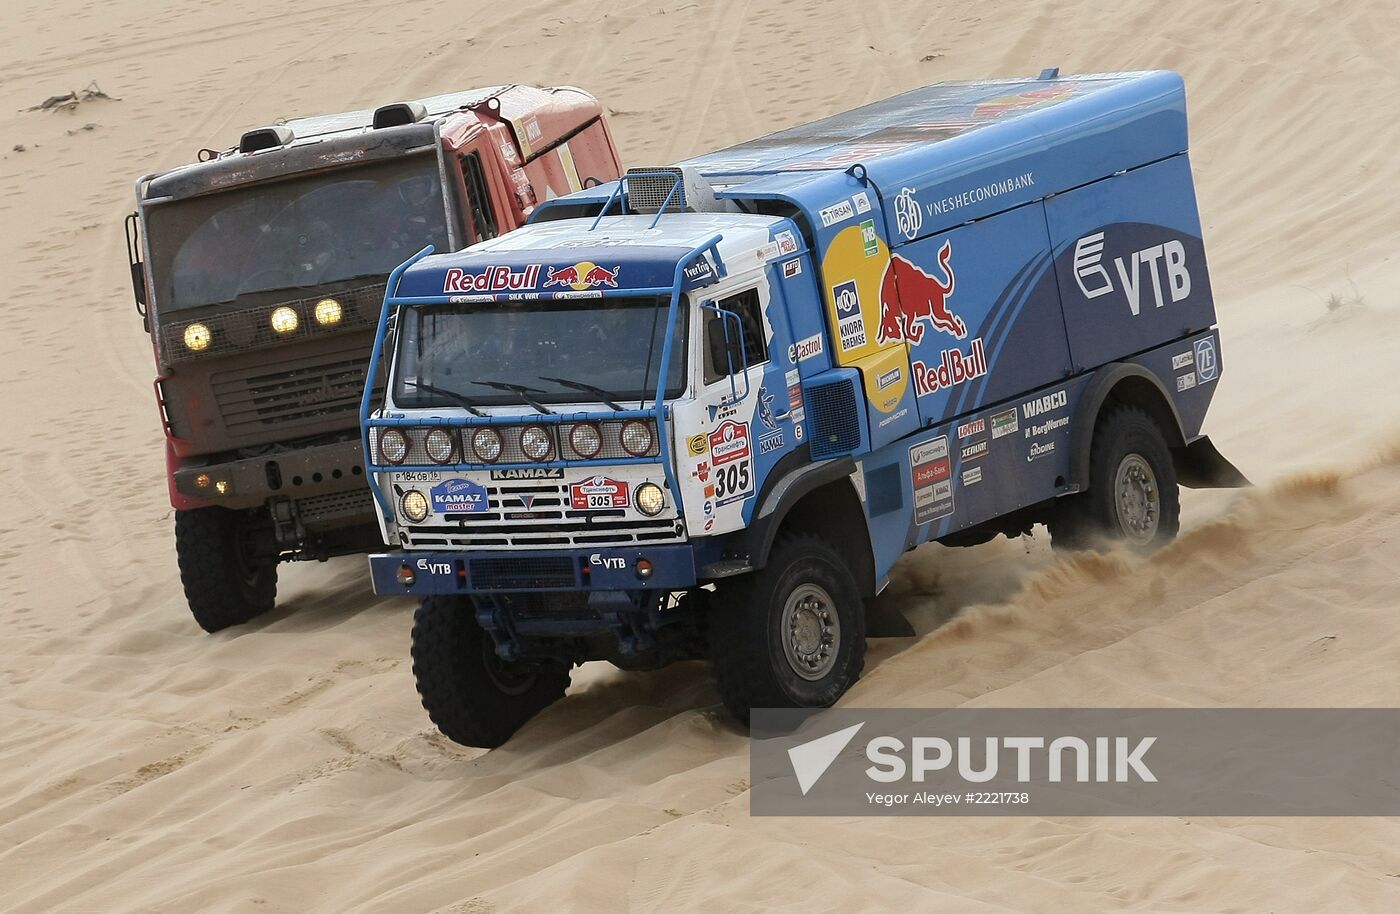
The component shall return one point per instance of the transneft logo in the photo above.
(1166, 261)
(491, 279)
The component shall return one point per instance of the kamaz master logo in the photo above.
(1162, 265)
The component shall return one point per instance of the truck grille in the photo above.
(337, 509)
(307, 392)
(524, 573)
(547, 521)
(835, 419)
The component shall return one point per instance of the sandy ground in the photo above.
(145, 766)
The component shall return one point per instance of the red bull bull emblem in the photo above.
(909, 296)
(582, 276)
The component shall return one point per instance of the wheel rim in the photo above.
(1138, 498)
(509, 679)
(811, 632)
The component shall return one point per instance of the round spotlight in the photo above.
(650, 499)
(414, 506)
(636, 438)
(486, 444)
(328, 312)
(221, 487)
(438, 444)
(202, 481)
(586, 440)
(393, 445)
(534, 441)
(284, 320)
(197, 337)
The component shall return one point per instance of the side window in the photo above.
(746, 305)
(478, 197)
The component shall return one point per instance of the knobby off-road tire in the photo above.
(791, 635)
(1133, 496)
(473, 696)
(224, 583)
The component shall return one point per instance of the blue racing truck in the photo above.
(703, 410)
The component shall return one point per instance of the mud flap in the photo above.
(884, 619)
(1200, 466)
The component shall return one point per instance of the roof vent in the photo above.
(648, 189)
(399, 114)
(265, 138)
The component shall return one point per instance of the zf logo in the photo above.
(1163, 265)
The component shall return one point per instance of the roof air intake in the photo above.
(399, 114)
(648, 188)
(265, 138)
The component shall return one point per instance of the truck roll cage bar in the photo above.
(657, 411)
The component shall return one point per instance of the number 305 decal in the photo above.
(734, 481)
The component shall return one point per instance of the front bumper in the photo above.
(673, 567)
(309, 472)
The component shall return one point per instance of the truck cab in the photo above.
(724, 397)
(259, 272)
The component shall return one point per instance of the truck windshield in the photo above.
(338, 225)
(546, 349)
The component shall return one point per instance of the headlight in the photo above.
(438, 444)
(414, 506)
(586, 440)
(328, 312)
(197, 337)
(284, 320)
(534, 441)
(636, 438)
(486, 443)
(650, 499)
(393, 445)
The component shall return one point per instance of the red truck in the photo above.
(259, 272)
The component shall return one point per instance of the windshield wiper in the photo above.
(600, 393)
(520, 389)
(460, 399)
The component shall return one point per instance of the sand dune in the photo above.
(287, 766)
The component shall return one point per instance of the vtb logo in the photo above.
(1163, 265)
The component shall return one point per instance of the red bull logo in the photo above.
(491, 279)
(582, 276)
(909, 297)
(954, 367)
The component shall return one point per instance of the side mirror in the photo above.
(138, 272)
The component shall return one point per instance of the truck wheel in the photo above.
(473, 696)
(1132, 496)
(791, 635)
(225, 582)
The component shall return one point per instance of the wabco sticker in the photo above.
(792, 268)
(729, 442)
(867, 238)
(1045, 404)
(850, 324)
(531, 473)
(975, 427)
(971, 476)
(1182, 359)
(1004, 423)
(697, 445)
(459, 496)
(1186, 381)
(598, 493)
(931, 473)
(803, 350)
(491, 279)
(582, 276)
(838, 213)
(888, 379)
(787, 243)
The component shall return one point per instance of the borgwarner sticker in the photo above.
(598, 493)
(838, 213)
(459, 496)
(491, 279)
